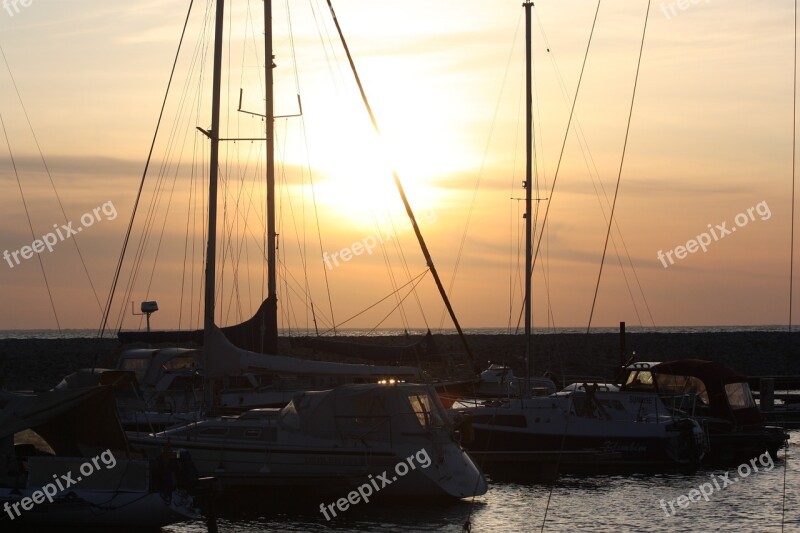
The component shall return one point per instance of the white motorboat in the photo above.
(331, 442)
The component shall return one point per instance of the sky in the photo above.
(702, 218)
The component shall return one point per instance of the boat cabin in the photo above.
(699, 388)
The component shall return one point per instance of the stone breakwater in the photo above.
(39, 364)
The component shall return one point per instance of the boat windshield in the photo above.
(138, 365)
(672, 385)
(421, 404)
(640, 380)
(739, 395)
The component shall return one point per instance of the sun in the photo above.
(354, 169)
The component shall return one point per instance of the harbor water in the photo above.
(738, 499)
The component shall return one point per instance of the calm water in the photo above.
(84, 333)
(608, 503)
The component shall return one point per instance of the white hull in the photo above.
(333, 441)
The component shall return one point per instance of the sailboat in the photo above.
(333, 440)
(586, 427)
(262, 382)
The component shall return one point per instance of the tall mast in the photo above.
(528, 187)
(401, 191)
(211, 252)
(271, 326)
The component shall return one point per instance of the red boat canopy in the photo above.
(727, 391)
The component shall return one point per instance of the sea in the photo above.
(385, 332)
(760, 501)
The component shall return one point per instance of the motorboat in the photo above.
(65, 461)
(715, 395)
(330, 442)
(584, 428)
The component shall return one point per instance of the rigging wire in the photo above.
(74, 238)
(411, 281)
(30, 223)
(563, 147)
(566, 136)
(591, 166)
(794, 165)
(398, 184)
(389, 270)
(791, 254)
(201, 51)
(153, 209)
(621, 163)
(308, 164)
(109, 302)
(413, 290)
(480, 175)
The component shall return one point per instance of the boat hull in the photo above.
(286, 470)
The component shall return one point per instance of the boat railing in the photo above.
(686, 403)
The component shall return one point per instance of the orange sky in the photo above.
(710, 137)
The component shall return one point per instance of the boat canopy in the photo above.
(726, 392)
(74, 422)
(225, 359)
(366, 411)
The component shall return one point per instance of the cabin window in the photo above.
(421, 405)
(672, 385)
(138, 365)
(739, 396)
(640, 380)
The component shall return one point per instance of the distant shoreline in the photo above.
(39, 364)
(392, 332)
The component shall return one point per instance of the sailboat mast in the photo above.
(271, 326)
(528, 187)
(401, 191)
(213, 175)
(211, 255)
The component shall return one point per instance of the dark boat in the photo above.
(582, 430)
(716, 396)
